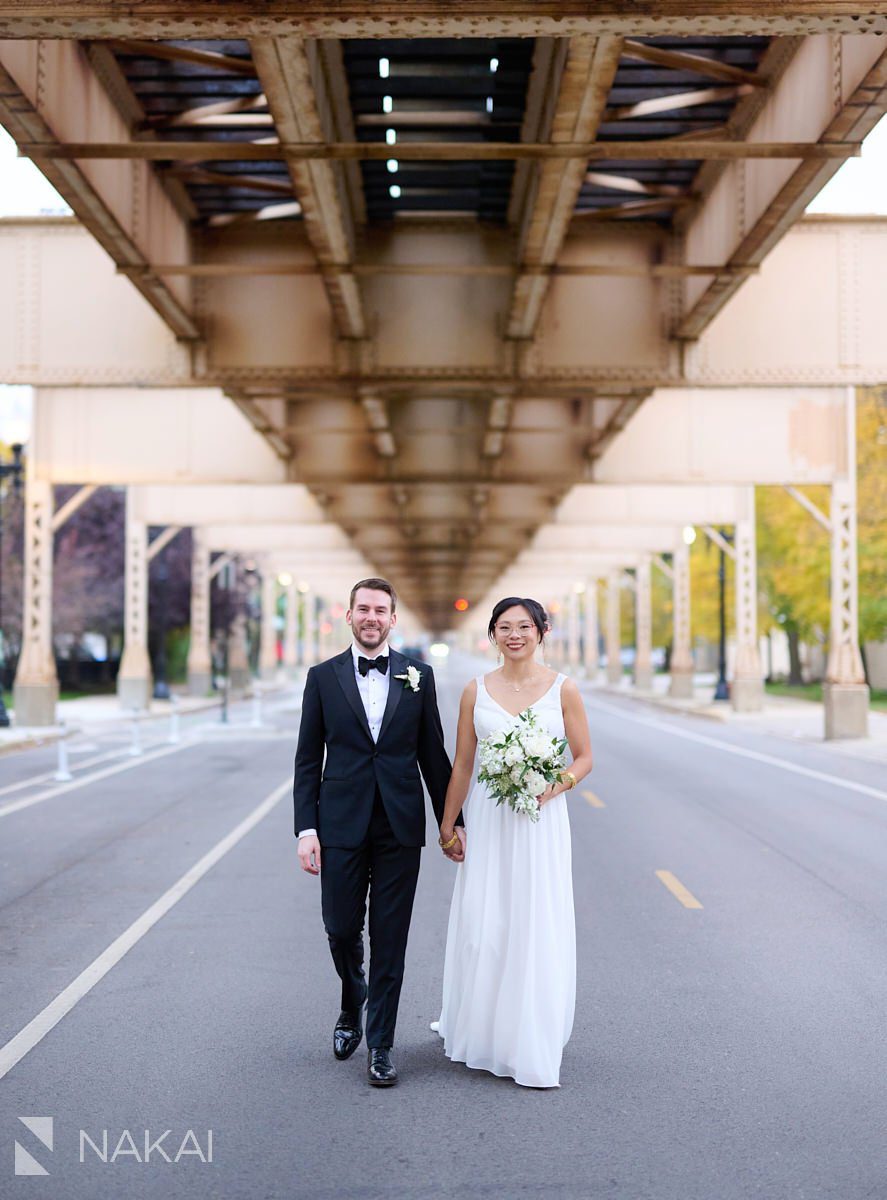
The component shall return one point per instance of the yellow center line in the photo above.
(677, 889)
(593, 800)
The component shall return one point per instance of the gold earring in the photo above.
(498, 658)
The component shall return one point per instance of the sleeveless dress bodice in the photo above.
(509, 988)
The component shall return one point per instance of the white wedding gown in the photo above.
(509, 988)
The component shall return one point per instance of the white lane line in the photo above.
(771, 759)
(81, 765)
(37, 1029)
(62, 788)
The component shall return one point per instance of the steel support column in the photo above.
(36, 687)
(643, 663)
(845, 693)
(309, 628)
(614, 638)
(134, 676)
(573, 630)
(268, 631)
(291, 631)
(199, 655)
(681, 686)
(590, 655)
(747, 686)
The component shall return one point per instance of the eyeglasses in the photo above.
(524, 629)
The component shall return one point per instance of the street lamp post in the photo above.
(722, 692)
(161, 686)
(14, 470)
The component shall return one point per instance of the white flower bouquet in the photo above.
(519, 762)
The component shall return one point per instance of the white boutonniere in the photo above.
(411, 678)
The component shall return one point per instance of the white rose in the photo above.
(535, 783)
(514, 755)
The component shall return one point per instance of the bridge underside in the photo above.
(438, 261)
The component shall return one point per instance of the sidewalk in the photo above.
(94, 714)
(97, 714)
(782, 716)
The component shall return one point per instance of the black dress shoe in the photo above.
(347, 1034)
(380, 1069)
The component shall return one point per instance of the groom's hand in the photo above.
(309, 854)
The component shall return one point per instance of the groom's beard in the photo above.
(371, 639)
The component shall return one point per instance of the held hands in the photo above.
(455, 852)
(309, 854)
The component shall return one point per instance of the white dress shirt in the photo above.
(373, 688)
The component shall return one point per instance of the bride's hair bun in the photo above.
(537, 613)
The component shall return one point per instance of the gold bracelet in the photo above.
(572, 778)
(450, 844)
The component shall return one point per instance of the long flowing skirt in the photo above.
(509, 990)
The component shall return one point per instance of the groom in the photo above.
(373, 713)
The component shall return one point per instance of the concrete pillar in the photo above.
(590, 655)
(291, 631)
(614, 633)
(845, 692)
(643, 651)
(747, 685)
(309, 628)
(238, 654)
(36, 687)
(268, 629)
(573, 631)
(134, 677)
(681, 686)
(199, 655)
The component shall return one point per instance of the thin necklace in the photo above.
(518, 687)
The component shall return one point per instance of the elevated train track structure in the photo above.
(439, 265)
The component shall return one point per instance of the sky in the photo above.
(860, 186)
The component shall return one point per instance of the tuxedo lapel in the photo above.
(397, 664)
(344, 668)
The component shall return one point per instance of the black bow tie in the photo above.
(365, 665)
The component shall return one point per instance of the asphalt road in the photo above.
(726, 1051)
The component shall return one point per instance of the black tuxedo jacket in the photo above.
(336, 796)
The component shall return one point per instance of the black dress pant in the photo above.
(388, 871)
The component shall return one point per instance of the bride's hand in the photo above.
(550, 792)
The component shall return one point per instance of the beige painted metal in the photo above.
(199, 656)
(159, 543)
(291, 630)
(742, 436)
(433, 18)
(590, 630)
(268, 626)
(845, 693)
(834, 88)
(302, 104)
(35, 691)
(747, 685)
(310, 647)
(590, 504)
(128, 436)
(48, 93)
(643, 664)
(134, 676)
(269, 336)
(613, 634)
(214, 504)
(681, 685)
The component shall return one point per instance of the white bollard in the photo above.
(173, 738)
(256, 722)
(62, 774)
(135, 749)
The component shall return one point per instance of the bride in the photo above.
(509, 988)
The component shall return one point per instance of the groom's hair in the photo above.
(377, 585)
